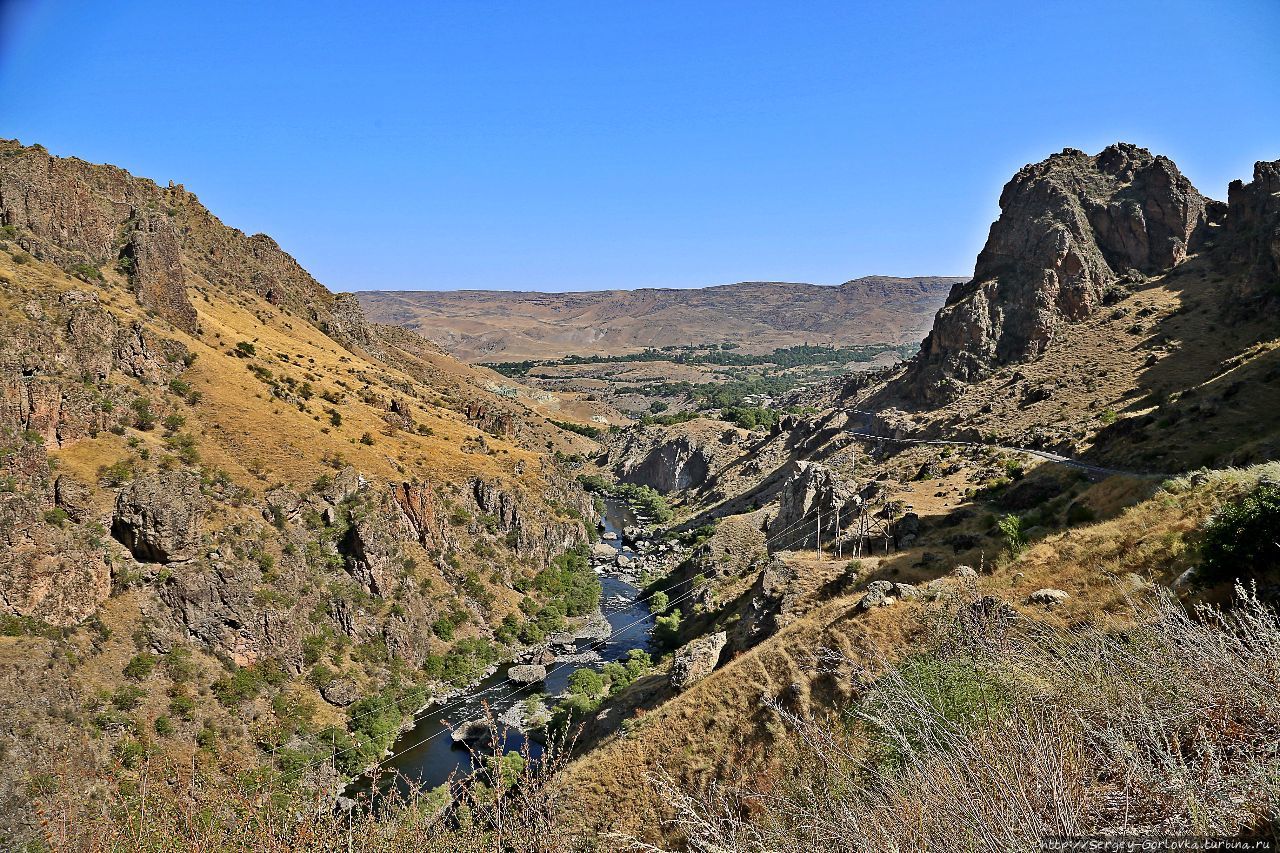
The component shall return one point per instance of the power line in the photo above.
(460, 700)
(680, 598)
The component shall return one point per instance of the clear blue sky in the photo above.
(555, 145)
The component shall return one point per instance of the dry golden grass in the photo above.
(718, 730)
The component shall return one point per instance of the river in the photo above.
(426, 754)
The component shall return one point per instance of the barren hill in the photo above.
(486, 325)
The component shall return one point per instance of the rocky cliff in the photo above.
(813, 501)
(1070, 228)
(83, 216)
(203, 449)
(1247, 243)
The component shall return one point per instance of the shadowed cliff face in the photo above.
(1248, 241)
(1069, 227)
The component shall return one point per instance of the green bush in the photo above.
(140, 666)
(56, 516)
(750, 417)
(1010, 527)
(179, 665)
(570, 582)
(587, 682)
(666, 630)
(1242, 540)
(181, 704)
(143, 419)
(127, 697)
(241, 686)
(87, 272)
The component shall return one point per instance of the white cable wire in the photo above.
(462, 700)
(512, 693)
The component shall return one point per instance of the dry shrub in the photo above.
(164, 806)
(1170, 725)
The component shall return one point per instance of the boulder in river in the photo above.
(477, 733)
(527, 673)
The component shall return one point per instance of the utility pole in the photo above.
(839, 541)
(819, 532)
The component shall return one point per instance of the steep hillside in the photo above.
(230, 506)
(494, 326)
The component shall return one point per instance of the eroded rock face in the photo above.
(696, 660)
(46, 570)
(811, 494)
(673, 465)
(1069, 227)
(49, 367)
(58, 587)
(1249, 238)
(158, 277)
(157, 516)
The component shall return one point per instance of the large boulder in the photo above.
(1048, 597)
(527, 673)
(473, 733)
(157, 516)
(696, 660)
(341, 692)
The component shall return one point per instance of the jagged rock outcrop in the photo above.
(1069, 227)
(48, 571)
(696, 660)
(157, 273)
(811, 496)
(1248, 240)
(54, 367)
(156, 270)
(348, 323)
(157, 516)
(68, 211)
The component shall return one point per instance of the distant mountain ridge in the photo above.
(486, 325)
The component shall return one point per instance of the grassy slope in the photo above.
(718, 730)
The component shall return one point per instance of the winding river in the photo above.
(426, 754)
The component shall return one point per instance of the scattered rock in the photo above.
(1048, 597)
(696, 660)
(341, 692)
